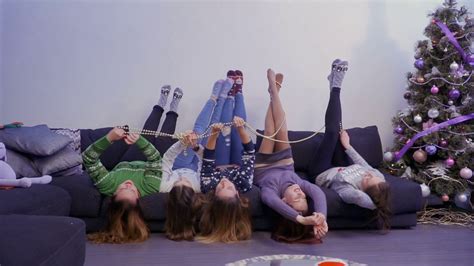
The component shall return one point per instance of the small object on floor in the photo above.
(287, 259)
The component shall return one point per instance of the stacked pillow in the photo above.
(36, 151)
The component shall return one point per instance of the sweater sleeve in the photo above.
(356, 158)
(169, 157)
(90, 158)
(352, 195)
(244, 178)
(209, 175)
(153, 163)
(317, 195)
(270, 198)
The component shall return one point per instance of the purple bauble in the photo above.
(449, 162)
(407, 95)
(434, 89)
(419, 63)
(454, 94)
(399, 130)
(443, 143)
(431, 149)
(470, 59)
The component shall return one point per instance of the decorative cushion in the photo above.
(37, 140)
(62, 160)
(21, 164)
(72, 133)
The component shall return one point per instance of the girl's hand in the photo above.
(217, 127)
(116, 134)
(345, 140)
(320, 230)
(239, 122)
(131, 138)
(319, 218)
(190, 139)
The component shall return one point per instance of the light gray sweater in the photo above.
(346, 181)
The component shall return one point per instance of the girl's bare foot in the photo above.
(279, 80)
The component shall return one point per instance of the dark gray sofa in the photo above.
(89, 205)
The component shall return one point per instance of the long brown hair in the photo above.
(225, 220)
(125, 224)
(183, 208)
(381, 196)
(293, 232)
(290, 232)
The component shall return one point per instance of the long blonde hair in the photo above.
(125, 224)
(225, 220)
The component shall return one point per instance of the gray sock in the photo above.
(216, 89)
(165, 91)
(177, 95)
(338, 71)
(228, 83)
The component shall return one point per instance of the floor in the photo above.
(423, 245)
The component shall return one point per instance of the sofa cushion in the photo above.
(61, 160)
(113, 155)
(86, 199)
(406, 198)
(21, 164)
(365, 140)
(37, 200)
(37, 140)
(302, 151)
(41, 240)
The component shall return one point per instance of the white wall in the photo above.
(88, 64)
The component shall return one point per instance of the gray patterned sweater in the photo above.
(346, 181)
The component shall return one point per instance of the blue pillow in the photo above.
(38, 140)
(21, 164)
(62, 160)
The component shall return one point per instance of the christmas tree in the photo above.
(434, 135)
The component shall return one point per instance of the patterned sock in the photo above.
(338, 71)
(165, 91)
(239, 81)
(216, 89)
(177, 95)
(226, 88)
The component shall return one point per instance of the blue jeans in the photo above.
(210, 113)
(229, 148)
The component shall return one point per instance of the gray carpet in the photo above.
(423, 245)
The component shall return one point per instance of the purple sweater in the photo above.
(273, 181)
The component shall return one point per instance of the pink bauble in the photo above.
(465, 173)
(443, 143)
(420, 156)
(434, 89)
(449, 162)
(445, 197)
